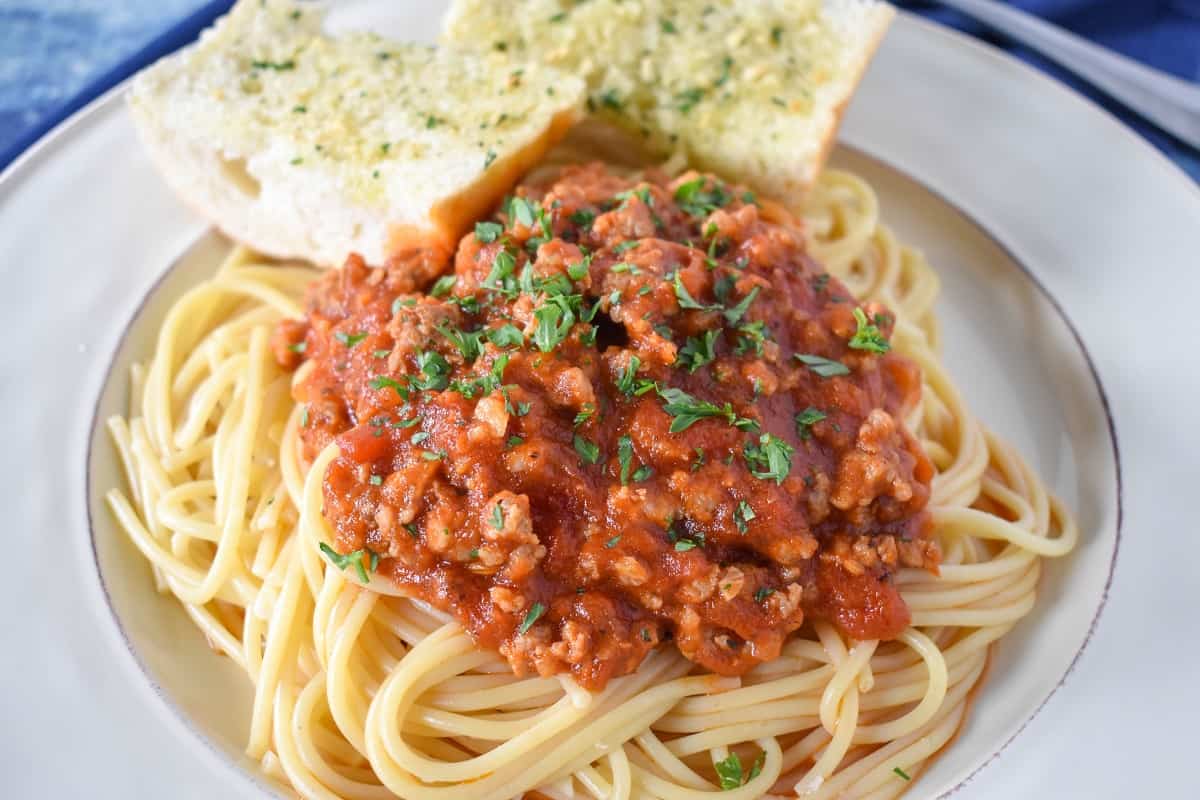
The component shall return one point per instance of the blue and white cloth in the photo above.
(56, 55)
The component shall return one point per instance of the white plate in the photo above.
(1107, 226)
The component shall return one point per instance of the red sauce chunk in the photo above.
(636, 411)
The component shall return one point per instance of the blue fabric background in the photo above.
(57, 54)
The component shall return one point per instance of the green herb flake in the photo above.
(488, 232)
(763, 593)
(497, 517)
(684, 297)
(384, 382)
(770, 459)
(901, 773)
(825, 367)
(275, 66)
(588, 451)
(507, 335)
(667, 26)
(806, 419)
(531, 616)
(583, 218)
(733, 315)
(868, 336)
(298, 347)
(611, 543)
(488, 158)
(354, 559)
(729, 773)
(687, 410)
(625, 456)
(742, 516)
(698, 351)
(349, 339)
(520, 210)
(443, 285)
(513, 441)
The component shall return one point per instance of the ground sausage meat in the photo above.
(635, 411)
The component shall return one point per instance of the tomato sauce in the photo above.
(635, 411)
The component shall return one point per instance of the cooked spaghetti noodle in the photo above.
(362, 694)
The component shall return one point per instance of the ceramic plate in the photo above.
(1067, 252)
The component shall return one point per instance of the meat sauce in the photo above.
(636, 411)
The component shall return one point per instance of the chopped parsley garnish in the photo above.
(763, 594)
(277, 66)
(503, 267)
(304, 418)
(687, 410)
(751, 337)
(901, 773)
(554, 320)
(825, 367)
(497, 517)
(489, 158)
(354, 559)
(806, 419)
(610, 99)
(443, 285)
(520, 210)
(611, 543)
(686, 301)
(868, 336)
(627, 245)
(513, 441)
(667, 26)
(698, 351)
(642, 473)
(588, 451)
(375, 480)
(697, 201)
(625, 456)
(584, 415)
(383, 381)
(507, 335)
(733, 315)
(488, 232)
(469, 343)
(729, 771)
(419, 437)
(531, 616)
(298, 347)
(301, 109)
(688, 98)
(683, 545)
(579, 270)
(434, 368)
(583, 218)
(770, 459)
(433, 455)
(742, 516)
(559, 17)
(629, 384)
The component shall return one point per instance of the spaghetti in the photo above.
(363, 694)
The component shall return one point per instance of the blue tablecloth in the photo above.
(55, 55)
